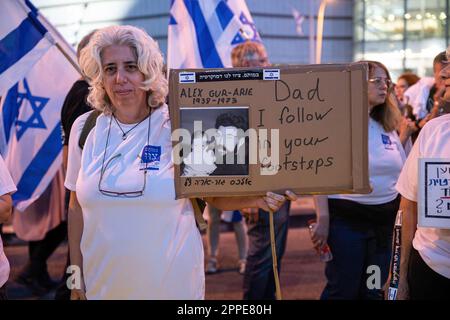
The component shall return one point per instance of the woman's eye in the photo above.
(110, 69)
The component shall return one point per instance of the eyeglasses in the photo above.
(262, 60)
(124, 194)
(379, 81)
(255, 59)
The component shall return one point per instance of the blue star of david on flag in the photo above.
(35, 76)
(248, 28)
(202, 33)
(37, 104)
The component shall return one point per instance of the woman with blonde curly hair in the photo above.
(128, 235)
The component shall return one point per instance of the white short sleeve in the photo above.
(6, 183)
(74, 155)
(408, 180)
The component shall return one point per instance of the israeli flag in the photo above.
(299, 19)
(30, 122)
(202, 33)
(23, 41)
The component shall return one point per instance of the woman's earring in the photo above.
(149, 98)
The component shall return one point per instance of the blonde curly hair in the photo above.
(149, 60)
(244, 51)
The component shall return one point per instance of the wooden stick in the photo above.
(274, 257)
(73, 63)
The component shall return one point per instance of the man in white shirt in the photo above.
(425, 256)
(423, 95)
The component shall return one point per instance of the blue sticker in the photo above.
(150, 158)
(386, 141)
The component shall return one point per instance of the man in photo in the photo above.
(231, 147)
(221, 153)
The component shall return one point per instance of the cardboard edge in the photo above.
(359, 130)
(175, 123)
(284, 68)
(317, 191)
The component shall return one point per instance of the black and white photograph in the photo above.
(218, 145)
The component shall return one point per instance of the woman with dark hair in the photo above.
(405, 81)
(358, 227)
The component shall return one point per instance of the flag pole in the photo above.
(57, 38)
(69, 58)
(274, 257)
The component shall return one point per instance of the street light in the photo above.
(320, 17)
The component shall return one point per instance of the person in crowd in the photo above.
(44, 225)
(404, 81)
(259, 280)
(425, 251)
(213, 236)
(7, 187)
(75, 104)
(424, 96)
(358, 227)
(128, 235)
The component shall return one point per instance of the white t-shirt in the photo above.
(433, 142)
(6, 186)
(134, 248)
(386, 158)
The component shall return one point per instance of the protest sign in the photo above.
(305, 130)
(434, 193)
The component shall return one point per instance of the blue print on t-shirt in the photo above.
(386, 141)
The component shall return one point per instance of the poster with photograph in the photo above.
(434, 193)
(215, 152)
(247, 131)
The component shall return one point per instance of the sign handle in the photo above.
(274, 257)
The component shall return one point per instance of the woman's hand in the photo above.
(252, 214)
(319, 232)
(406, 129)
(403, 289)
(77, 294)
(273, 201)
(270, 202)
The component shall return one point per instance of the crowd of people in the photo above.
(131, 239)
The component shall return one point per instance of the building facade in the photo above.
(273, 18)
(403, 34)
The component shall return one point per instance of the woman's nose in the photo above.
(121, 76)
(445, 72)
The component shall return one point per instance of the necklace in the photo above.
(128, 194)
(124, 134)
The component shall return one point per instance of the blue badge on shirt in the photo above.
(150, 158)
(387, 142)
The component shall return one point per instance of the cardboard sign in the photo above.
(306, 129)
(434, 193)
